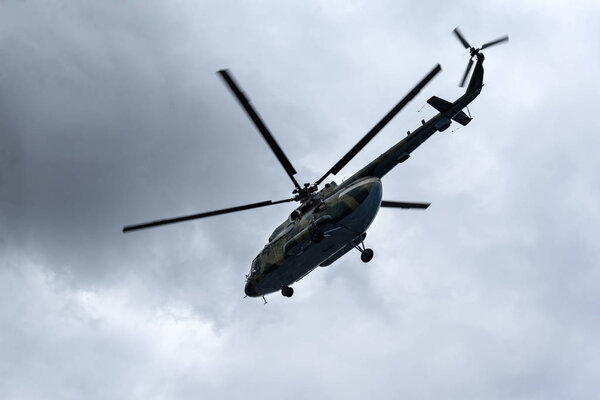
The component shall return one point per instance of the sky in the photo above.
(111, 114)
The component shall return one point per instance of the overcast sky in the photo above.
(111, 113)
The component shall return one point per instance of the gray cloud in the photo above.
(112, 114)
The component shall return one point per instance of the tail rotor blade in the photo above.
(461, 38)
(464, 79)
(497, 41)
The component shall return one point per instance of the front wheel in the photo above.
(287, 291)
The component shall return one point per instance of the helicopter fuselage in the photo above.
(341, 213)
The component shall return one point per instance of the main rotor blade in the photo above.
(245, 103)
(461, 38)
(403, 204)
(464, 79)
(384, 121)
(500, 40)
(201, 215)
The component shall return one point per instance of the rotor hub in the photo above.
(476, 53)
(304, 193)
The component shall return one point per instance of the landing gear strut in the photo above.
(287, 291)
(366, 255)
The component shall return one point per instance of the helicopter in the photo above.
(331, 221)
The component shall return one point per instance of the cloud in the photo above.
(112, 114)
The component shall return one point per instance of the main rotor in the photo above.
(306, 191)
(300, 193)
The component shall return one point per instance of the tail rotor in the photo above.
(474, 52)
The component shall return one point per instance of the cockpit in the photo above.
(253, 268)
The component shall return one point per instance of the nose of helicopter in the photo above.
(250, 289)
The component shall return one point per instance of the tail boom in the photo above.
(448, 112)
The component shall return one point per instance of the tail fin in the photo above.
(443, 105)
(476, 82)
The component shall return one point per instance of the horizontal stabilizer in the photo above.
(439, 104)
(443, 105)
(462, 118)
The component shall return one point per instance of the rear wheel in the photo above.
(366, 255)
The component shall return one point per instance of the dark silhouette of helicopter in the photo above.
(331, 221)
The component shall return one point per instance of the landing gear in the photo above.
(366, 255)
(287, 291)
(316, 235)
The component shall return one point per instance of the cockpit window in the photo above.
(281, 234)
(254, 267)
